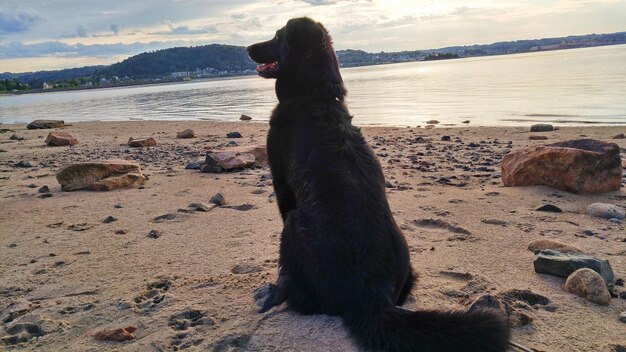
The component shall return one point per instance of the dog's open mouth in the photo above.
(267, 70)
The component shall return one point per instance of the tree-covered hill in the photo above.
(163, 62)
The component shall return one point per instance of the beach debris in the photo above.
(245, 117)
(537, 138)
(188, 133)
(218, 199)
(59, 139)
(233, 135)
(117, 335)
(45, 124)
(578, 166)
(225, 161)
(559, 264)
(588, 284)
(539, 245)
(605, 211)
(105, 175)
(619, 136)
(541, 127)
(142, 142)
(550, 208)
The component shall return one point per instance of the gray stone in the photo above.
(218, 199)
(192, 166)
(615, 220)
(233, 135)
(622, 317)
(549, 208)
(562, 265)
(588, 284)
(45, 124)
(605, 211)
(541, 127)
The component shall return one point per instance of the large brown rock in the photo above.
(117, 335)
(578, 166)
(539, 245)
(588, 284)
(225, 161)
(103, 175)
(142, 142)
(45, 124)
(58, 139)
(188, 133)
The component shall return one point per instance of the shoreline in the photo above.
(74, 275)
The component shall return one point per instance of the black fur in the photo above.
(341, 252)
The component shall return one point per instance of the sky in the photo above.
(53, 34)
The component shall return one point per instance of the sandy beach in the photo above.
(72, 275)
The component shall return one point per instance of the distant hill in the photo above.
(217, 59)
(214, 57)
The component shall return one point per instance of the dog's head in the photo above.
(302, 59)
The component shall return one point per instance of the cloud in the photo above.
(14, 50)
(185, 30)
(115, 28)
(18, 21)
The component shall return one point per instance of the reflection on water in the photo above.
(567, 87)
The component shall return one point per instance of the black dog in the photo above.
(341, 252)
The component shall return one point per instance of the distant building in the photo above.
(47, 85)
(180, 74)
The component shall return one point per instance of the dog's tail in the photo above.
(396, 329)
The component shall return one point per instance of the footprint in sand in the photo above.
(21, 332)
(153, 294)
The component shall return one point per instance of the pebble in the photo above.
(154, 234)
(615, 220)
(44, 189)
(233, 135)
(25, 164)
(192, 166)
(622, 317)
(541, 127)
(218, 199)
(118, 206)
(120, 232)
(32, 185)
(605, 211)
(445, 138)
(549, 208)
(245, 117)
(109, 219)
(619, 136)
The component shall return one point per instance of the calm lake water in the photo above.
(570, 87)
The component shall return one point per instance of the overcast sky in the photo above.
(51, 34)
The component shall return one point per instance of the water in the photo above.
(570, 87)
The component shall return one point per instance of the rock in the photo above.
(588, 284)
(201, 207)
(117, 335)
(549, 208)
(45, 195)
(225, 161)
(619, 136)
(578, 166)
(24, 164)
(622, 317)
(605, 211)
(615, 220)
(218, 199)
(103, 175)
(539, 245)
(432, 122)
(59, 139)
(165, 217)
(109, 219)
(188, 133)
(233, 135)
(562, 265)
(466, 121)
(259, 152)
(541, 127)
(445, 138)
(15, 137)
(45, 124)
(44, 189)
(141, 142)
(154, 234)
(15, 309)
(245, 117)
(537, 138)
(192, 166)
